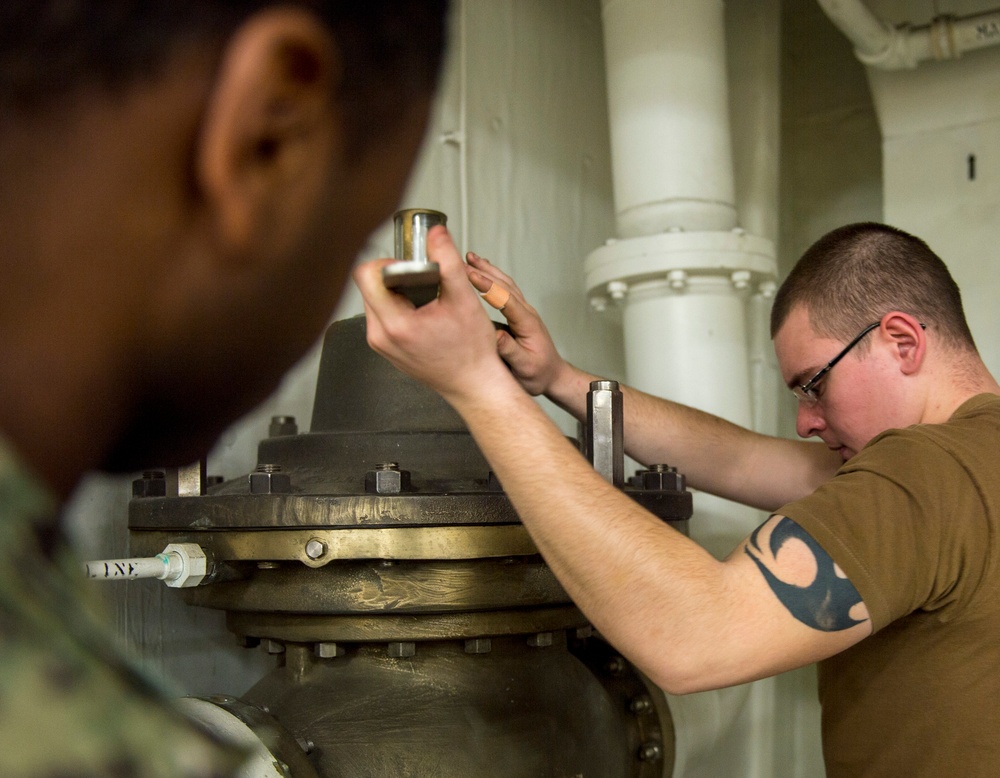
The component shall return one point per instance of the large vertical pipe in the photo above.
(668, 101)
(666, 71)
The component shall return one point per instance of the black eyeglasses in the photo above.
(807, 392)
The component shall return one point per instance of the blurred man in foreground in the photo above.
(183, 187)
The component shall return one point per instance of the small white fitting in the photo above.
(617, 290)
(677, 279)
(741, 279)
(188, 565)
(767, 289)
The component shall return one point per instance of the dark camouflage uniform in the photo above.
(70, 704)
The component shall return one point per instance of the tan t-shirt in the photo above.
(914, 522)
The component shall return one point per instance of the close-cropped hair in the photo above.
(854, 275)
(391, 50)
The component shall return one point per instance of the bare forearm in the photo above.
(715, 455)
(688, 620)
(600, 543)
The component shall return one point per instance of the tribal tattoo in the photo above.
(824, 604)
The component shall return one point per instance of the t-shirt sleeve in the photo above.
(904, 521)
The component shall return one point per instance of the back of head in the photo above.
(391, 49)
(856, 274)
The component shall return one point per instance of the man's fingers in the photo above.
(441, 249)
(368, 277)
(479, 282)
(490, 270)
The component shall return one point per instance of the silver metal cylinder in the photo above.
(410, 232)
(415, 277)
(605, 431)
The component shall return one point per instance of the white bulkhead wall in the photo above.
(940, 127)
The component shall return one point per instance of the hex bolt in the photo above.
(661, 478)
(387, 478)
(641, 704)
(617, 289)
(315, 548)
(328, 650)
(281, 426)
(478, 646)
(605, 431)
(268, 479)
(274, 647)
(582, 633)
(402, 650)
(650, 752)
(615, 665)
(152, 484)
(540, 640)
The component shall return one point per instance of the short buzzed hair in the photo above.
(391, 50)
(856, 274)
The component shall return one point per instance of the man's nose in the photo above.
(809, 420)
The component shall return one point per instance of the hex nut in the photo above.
(152, 484)
(478, 646)
(270, 482)
(387, 479)
(281, 426)
(193, 564)
(402, 650)
(540, 640)
(329, 650)
(661, 478)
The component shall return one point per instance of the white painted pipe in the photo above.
(667, 90)
(690, 344)
(870, 36)
(179, 565)
(881, 45)
(128, 569)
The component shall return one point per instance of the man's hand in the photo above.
(528, 348)
(449, 343)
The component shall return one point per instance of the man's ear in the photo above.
(269, 132)
(908, 338)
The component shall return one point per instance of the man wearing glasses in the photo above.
(877, 560)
